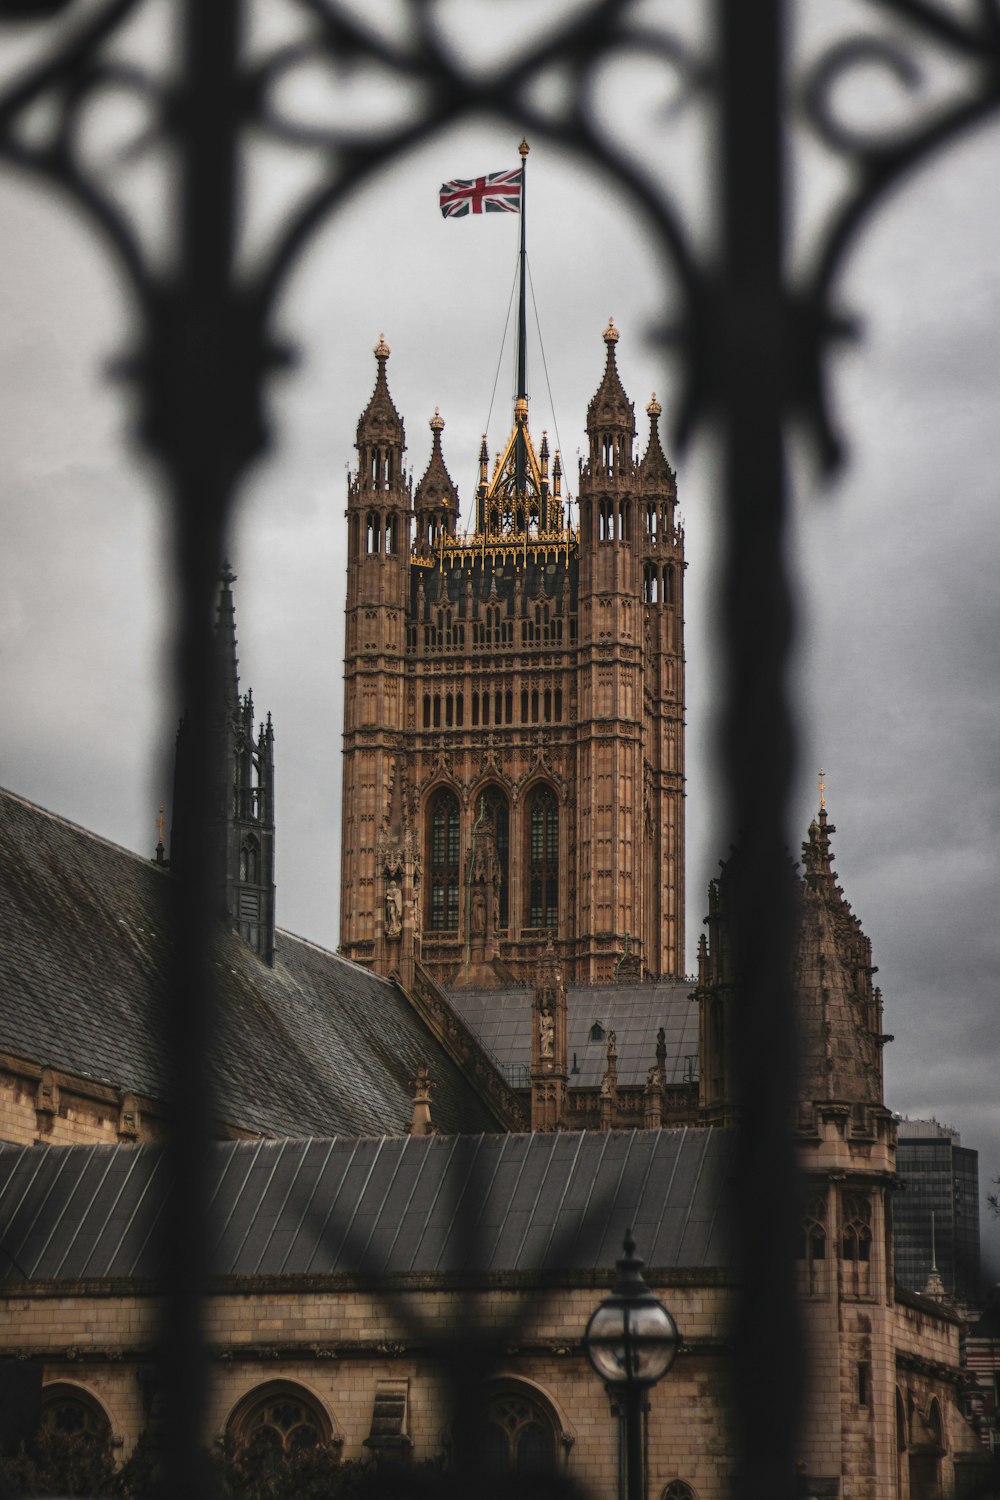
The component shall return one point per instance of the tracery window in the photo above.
(811, 1249)
(249, 861)
(276, 1423)
(442, 862)
(678, 1490)
(518, 1435)
(70, 1413)
(856, 1243)
(543, 859)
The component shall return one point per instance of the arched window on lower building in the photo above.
(72, 1414)
(677, 1489)
(442, 862)
(519, 1434)
(276, 1422)
(543, 858)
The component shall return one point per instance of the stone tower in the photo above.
(846, 1141)
(514, 706)
(242, 829)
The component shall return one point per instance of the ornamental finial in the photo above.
(437, 421)
(523, 148)
(611, 334)
(822, 790)
(381, 350)
(654, 408)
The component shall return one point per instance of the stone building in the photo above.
(510, 995)
(514, 706)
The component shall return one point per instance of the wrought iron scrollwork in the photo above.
(80, 71)
(752, 342)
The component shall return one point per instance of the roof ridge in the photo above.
(97, 838)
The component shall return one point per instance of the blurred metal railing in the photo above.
(751, 340)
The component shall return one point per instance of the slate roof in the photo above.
(315, 1045)
(558, 1202)
(501, 1019)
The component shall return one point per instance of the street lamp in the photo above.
(631, 1341)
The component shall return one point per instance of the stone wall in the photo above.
(336, 1342)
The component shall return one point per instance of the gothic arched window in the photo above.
(811, 1247)
(518, 1434)
(72, 1414)
(678, 1490)
(442, 862)
(275, 1423)
(250, 862)
(542, 863)
(856, 1243)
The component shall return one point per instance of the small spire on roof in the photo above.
(822, 790)
(420, 1121)
(160, 852)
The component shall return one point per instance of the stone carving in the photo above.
(393, 910)
(546, 1033)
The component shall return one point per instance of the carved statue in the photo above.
(546, 1033)
(393, 910)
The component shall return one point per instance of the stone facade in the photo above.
(514, 707)
(336, 1343)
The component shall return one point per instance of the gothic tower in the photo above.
(846, 1141)
(242, 829)
(378, 876)
(513, 735)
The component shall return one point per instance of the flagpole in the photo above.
(522, 316)
(520, 446)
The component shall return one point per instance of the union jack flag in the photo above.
(497, 193)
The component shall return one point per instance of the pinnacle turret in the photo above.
(610, 410)
(435, 500)
(381, 438)
(654, 469)
(225, 635)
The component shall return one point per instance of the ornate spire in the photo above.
(610, 409)
(380, 422)
(225, 634)
(436, 490)
(655, 470)
(840, 1010)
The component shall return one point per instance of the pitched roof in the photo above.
(501, 1019)
(316, 1044)
(393, 1206)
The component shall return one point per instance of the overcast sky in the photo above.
(898, 560)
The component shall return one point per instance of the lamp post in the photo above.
(631, 1341)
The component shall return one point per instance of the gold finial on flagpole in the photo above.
(822, 790)
(523, 148)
